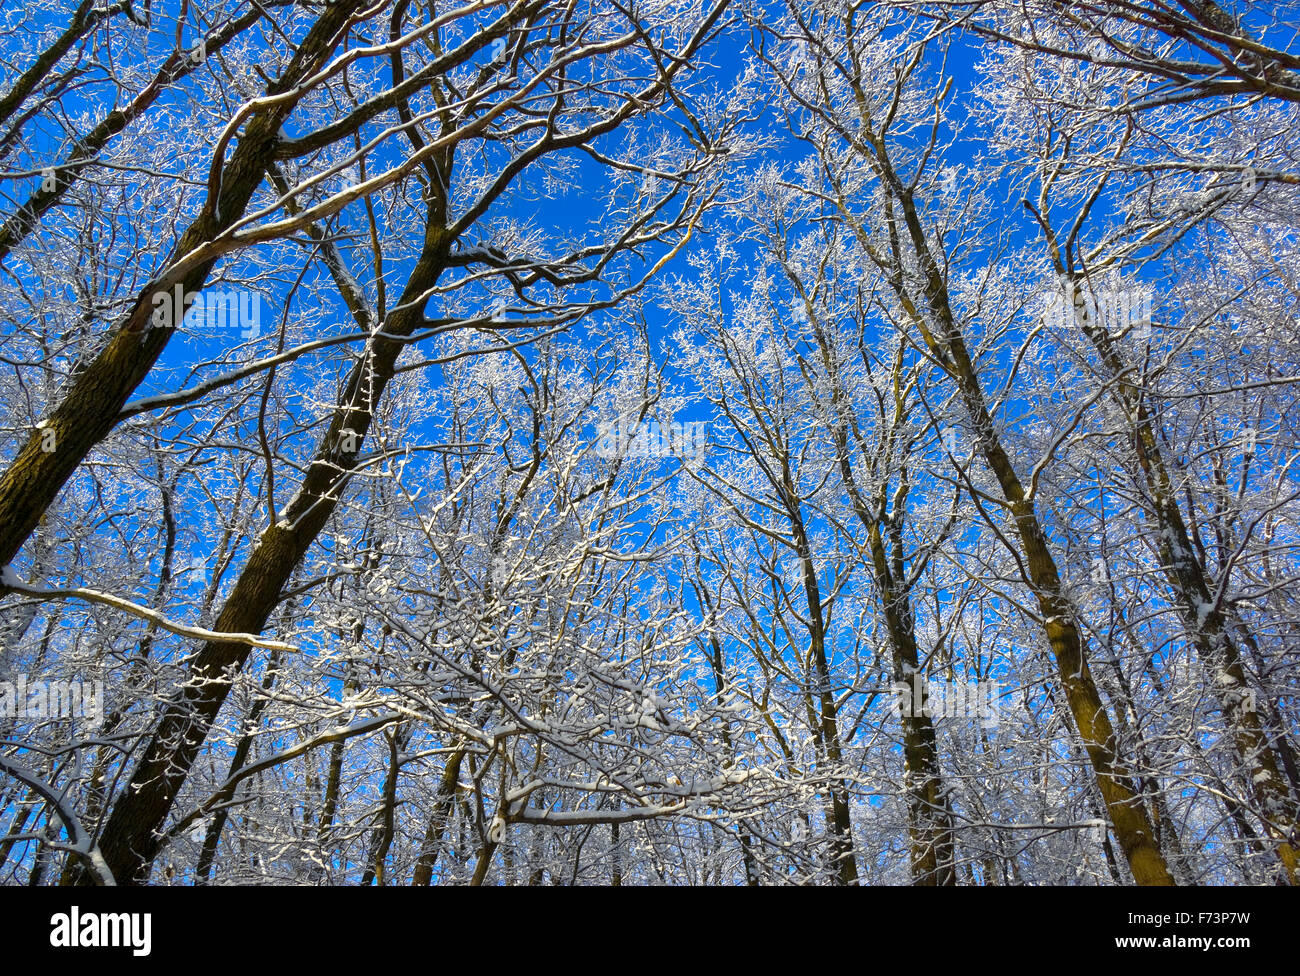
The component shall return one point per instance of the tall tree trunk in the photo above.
(212, 837)
(384, 834)
(929, 814)
(826, 724)
(438, 820)
(718, 664)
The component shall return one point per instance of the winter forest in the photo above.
(650, 442)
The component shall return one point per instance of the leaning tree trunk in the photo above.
(92, 405)
(1206, 621)
(130, 841)
(1059, 616)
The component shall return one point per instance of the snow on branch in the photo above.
(13, 582)
(82, 845)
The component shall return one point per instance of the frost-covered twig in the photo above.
(227, 789)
